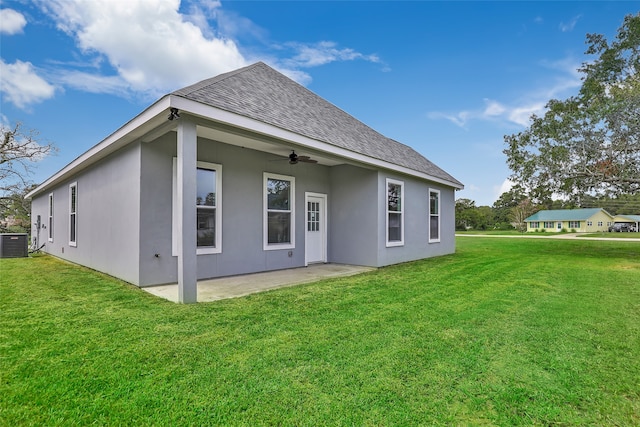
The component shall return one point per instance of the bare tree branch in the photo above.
(20, 150)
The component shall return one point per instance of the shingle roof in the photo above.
(630, 217)
(262, 93)
(565, 214)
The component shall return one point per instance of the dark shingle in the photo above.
(261, 93)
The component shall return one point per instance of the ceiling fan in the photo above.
(294, 158)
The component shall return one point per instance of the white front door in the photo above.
(316, 228)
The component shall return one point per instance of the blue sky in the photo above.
(449, 79)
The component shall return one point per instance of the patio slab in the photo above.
(237, 286)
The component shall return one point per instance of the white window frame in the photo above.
(73, 213)
(400, 211)
(203, 250)
(50, 221)
(438, 214)
(549, 224)
(292, 210)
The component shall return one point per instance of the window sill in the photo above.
(277, 247)
(394, 244)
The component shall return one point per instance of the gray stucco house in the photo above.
(244, 172)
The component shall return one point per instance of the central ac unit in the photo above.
(14, 245)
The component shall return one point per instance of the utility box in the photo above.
(14, 245)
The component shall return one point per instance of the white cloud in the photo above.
(506, 185)
(459, 119)
(493, 108)
(92, 83)
(22, 86)
(11, 22)
(324, 52)
(569, 26)
(153, 48)
(519, 111)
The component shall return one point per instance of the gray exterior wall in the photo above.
(125, 214)
(242, 210)
(107, 216)
(358, 218)
(416, 221)
(353, 216)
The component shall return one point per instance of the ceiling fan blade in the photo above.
(306, 159)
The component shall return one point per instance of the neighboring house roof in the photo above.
(565, 214)
(262, 93)
(635, 218)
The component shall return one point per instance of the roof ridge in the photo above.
(260, 92)
(187, 90)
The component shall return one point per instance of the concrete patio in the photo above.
(237, 286)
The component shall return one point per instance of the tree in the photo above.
(19, 151)
(15, 212)
(522, 211)
(504, 205)
(589, 143)
(470, 216)
(485, 218)
(465, 214)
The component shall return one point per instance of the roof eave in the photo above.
(213, 113)
(153, 117)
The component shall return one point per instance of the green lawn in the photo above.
(504, 332)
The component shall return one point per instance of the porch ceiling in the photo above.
(265, 144)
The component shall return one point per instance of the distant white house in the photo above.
(589, 220)
(244, 172)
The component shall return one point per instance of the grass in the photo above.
(504, 332)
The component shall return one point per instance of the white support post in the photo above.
(187, 257)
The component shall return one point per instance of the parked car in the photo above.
(621, 226)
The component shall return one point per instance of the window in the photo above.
(534, 224)
(313, 216)
(599, 223)
(279, 212)
(434, 215)
(208, 208)
(589, 223)
(395, 218)
(73, 214)
(574, 224)
(548, 224)
(50, 222)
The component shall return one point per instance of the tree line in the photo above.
(514, 206)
